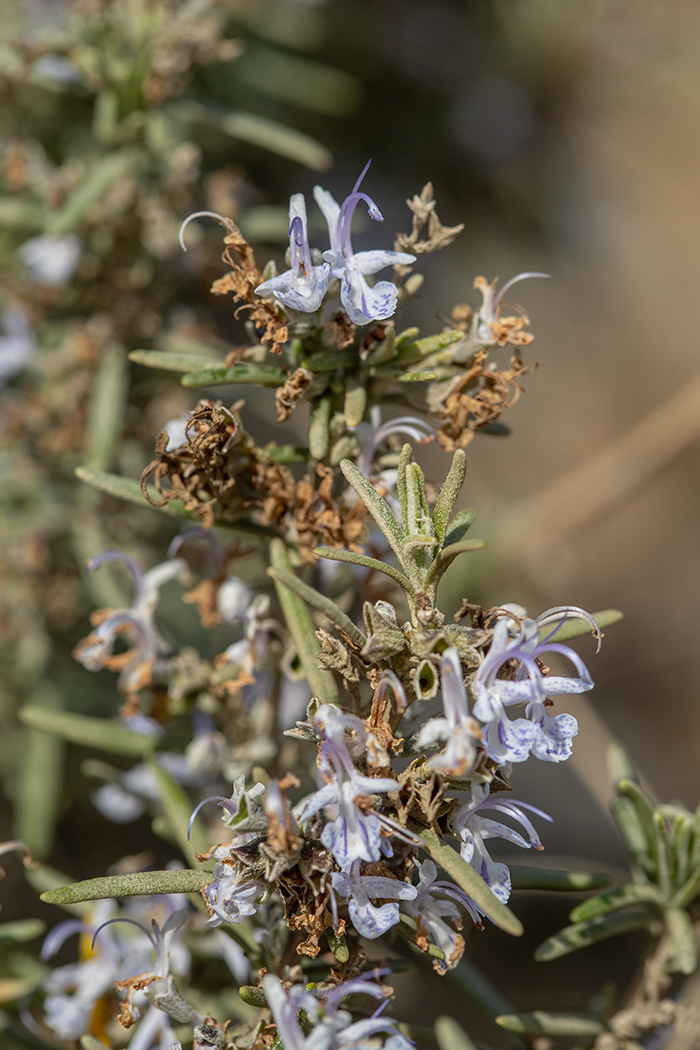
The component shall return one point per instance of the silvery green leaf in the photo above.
(449, 492)
(104, 734)
(254, 375)
(355, 401)
(318, 428)
(90, 1042)
(583, 934)
(134, 884)
(338, 554)
(38, 797)
(551, 1024)
(678, 949)
(428, 345)
(260, 131)
(299, 623)
(461, 523)
(630, 827)
(21, 930)
(524, 877)
(614, 900)
(378, 507)
(106, 407)
(330, 360)
(449, 1035)
(173, 362)
(445, 558)
(338, 945)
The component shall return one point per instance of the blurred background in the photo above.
(564, 137)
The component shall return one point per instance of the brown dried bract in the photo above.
(477, 398)
(428, 233)
(210, 470)
(242, 280)
(288, 396)
(342, 331)
(318, 518)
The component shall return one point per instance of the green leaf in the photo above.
(253, 996)
(449, 492)
(620, 765)
(630, 827)
(446, 556)
(38, 797)
(429, 345)
(355, 401)
(21, 930)
(172, 362)
(620, 897)
(378, 507)
(43, 878)
(100, 177)
(300, 625)
(253, 375)
(337, 554)
(338, 945)
(583, 934)
(100, 733)
(319, 602)
(106, 406)
(410, 377)
(678, 950)
(645, 811)
(576, 628)
(287, 453)
(552, 1024)
(461, 523)
(523, 877)
(451, 1036)
(330, 360)
(127, 489)
(471, 882)
(132, 885)
(178, 809)
(318, 427)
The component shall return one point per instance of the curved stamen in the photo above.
(131, 565)
(347, 210)
(225, 803)
(59, 935)
(296, 231)
(202, 214)
(196, 532)
(515, 280)
(560, 613)
(133, 922)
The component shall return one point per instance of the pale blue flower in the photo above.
(371, 920)
(17, 345)
(361, 302)
(358, 832)
(231, 897)
(473, 829)
(304, 285)
(547, 737)
(332, 1028)
(95, 651)
(457, 728)
(435, 901)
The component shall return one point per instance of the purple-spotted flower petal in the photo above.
(304, 285)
